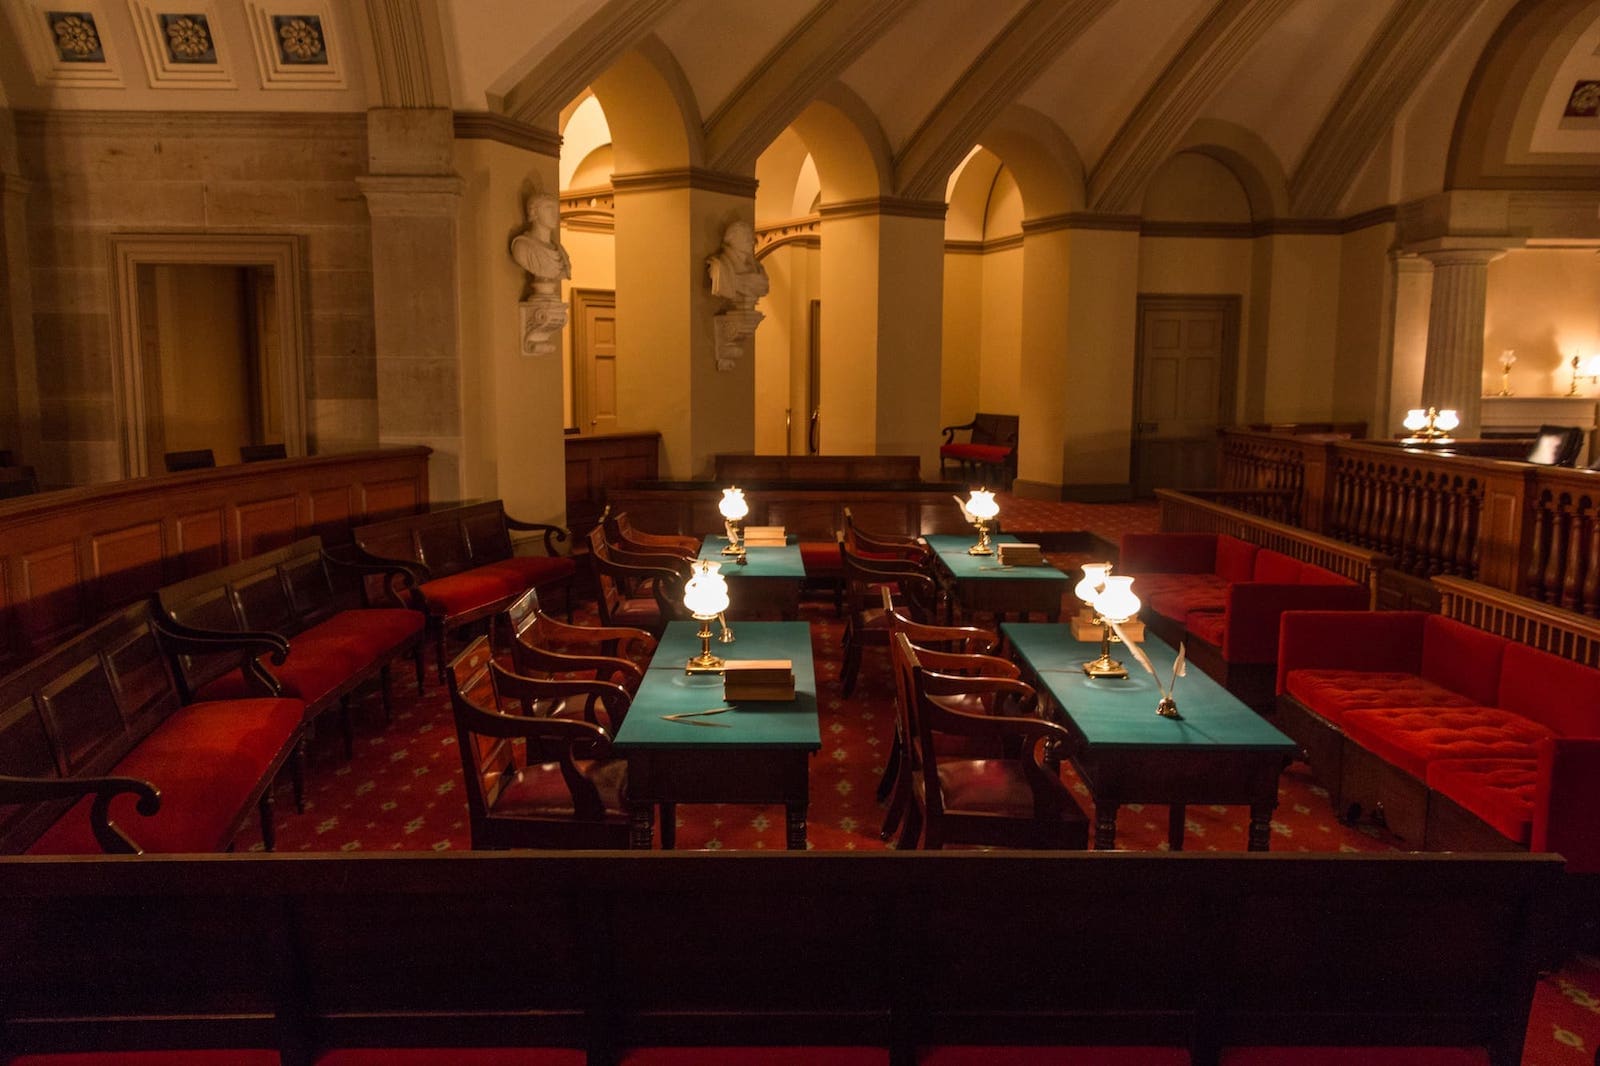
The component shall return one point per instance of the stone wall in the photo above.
(92, 174)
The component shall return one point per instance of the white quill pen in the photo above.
(1180, 665)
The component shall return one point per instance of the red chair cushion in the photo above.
(1276, 567)
(1500, 791)
(149, 1058)
(464, 593)
(1562, 694)
(1411, 737)
(522, 572)
(456, 1056)
(1463, 658)
(975, 453)
(985, 786)
(1354, 1056)
(967, 1055)
(821, 558)
(329, 654)
(756, 1056)
(1207, 626)
(541, 791)
(206, 759)
(1181, 602)
(1331, 693)
(1235, 558)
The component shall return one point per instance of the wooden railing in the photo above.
(1552, 629)
(1525, 529)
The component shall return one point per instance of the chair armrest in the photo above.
(180, 639)
(605, 667)
(622, 636)
(950, 431)
(530, 690)
(1254, 608)
(107, 833)
(967, 664)
(409, 573)
(553, 535)
(1565, 799)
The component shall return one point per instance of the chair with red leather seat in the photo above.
(1010, 800)
(540, 646)
(560, 788)
(865, 623)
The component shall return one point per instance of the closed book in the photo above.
(759, 671)
(1083, 629)
(1021, 555)
(735, 690)
(765, 537)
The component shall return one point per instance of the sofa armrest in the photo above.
(407, 572)
(554, 536)
(1350, 640)
(179, 639)
(1167, 553)
(109, 835)
(1254, 609)
(1565, 801)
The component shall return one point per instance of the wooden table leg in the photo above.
(669, 826)
(1261, 825)
(795, 825)
(1175, 826)
(1105, 826)
(641, 826)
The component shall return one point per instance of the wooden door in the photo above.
(594, 360)
(813, 397)
(1183, 388)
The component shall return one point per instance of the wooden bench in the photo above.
(737, 469)
(989, 452)
(316, 602)
(1180, 954)
(464, 565)
(98, 751)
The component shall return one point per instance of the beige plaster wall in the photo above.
(93, 173)
(1545, 304)
(1302, 320)
(1413, 291)
(1364, 349)
(511, 439)
(910, 320)
(1102, 302)
(849, 335)
(961, 337)
(1000, 333)
(1191, 187)
(782, 349)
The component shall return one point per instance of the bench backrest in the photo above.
(994, 429)
(900, 950)
(283, 591)
(77, 711)
(446, 541)
(741, 468)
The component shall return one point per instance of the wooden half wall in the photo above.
(69, 557)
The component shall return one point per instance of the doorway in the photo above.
(594, 360)
(1188, 354)
(812, 405)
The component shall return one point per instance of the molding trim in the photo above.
(806, 232)
(1194, 230)
(963, 248)
(487, 126)
(579, 59)
(589, 210)
(406, 47)
(885, 205)
(1080, 220)
(1377, 216)
(295, 124)
(684, 178)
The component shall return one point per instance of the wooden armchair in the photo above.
(559, 787)
(540, 646)
(884, 545)
(1011, 800)
(865, 623)
(990, 451)
(636, 591)
(621, 532)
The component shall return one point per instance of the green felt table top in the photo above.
(666, 689)
(761, 562)
(952, 551)
(1113, 712)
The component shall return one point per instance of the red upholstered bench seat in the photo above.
(976, 453)
(465, 1056)
(324, 658)
(1413, 737)
(756, 1056)
(1500, 791)
(1355, 1056)
(191, 1057)
(1016, 1055)
(1332, 693)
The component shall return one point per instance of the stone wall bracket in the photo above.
(542, 317)
(733, 327)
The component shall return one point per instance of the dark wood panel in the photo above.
(125, 563)
(391, 498)
(598, 463)
(52, 591)
(201, 542)
(262, 525)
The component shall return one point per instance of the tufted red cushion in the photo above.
(1354, 1056)
(1277, 567)
(362, 636)
(473, 590)
(522, 572)
(1411, 738)
(541, 790)
(206, 759)
(1149, 586)
(1235, 558)
(1167, 553)
(1179, 603)
(986, 786)
(821, 557)
(1500, 791)
(1331, 693)
(756, 1056)
(1562, 694)
(1463, 658)
(1207, 626)
(976, 453)
(461, 1056)
(967, 1055)
(150, 1058)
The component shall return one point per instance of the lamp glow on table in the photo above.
(733, 508)
(1115, 603)
(1430, 424)
(705, 594)
(981, 508)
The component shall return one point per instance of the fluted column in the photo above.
(1452, 373)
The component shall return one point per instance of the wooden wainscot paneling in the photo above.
(200, 543)
(392, 497)
(262, 525)
(330, 510)
(51, 594)
(603, 461)
(125, 563)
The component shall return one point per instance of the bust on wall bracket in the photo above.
(738, 280)
(542, 313)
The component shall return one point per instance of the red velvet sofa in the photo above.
(1458, 738)
(1223, 596)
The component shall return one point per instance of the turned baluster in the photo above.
(1438, 520)
(1572, 579)
(1540, 548)
(1589, 600)
(1555, 553)
(1388, 518)
(1405, 553)
(1452, 504)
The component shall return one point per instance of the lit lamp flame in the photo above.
(733, 509)
(705, 594)
(1431, 424)
(1114, 603)
(982, 507)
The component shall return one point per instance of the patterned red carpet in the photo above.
(402, 790)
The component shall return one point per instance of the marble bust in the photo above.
(736, 275)
(539, 251)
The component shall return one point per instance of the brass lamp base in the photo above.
(982, 547)
(705, 662)
(1105, 666)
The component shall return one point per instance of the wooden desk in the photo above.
(1219, 752)
(980, 583)
(756, 753)
(768, 582)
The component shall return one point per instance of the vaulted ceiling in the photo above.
(1318, 97)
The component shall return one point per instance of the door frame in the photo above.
(1231, 305)
(581, 299)
(129, 251)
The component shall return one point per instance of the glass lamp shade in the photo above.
(706, 591)
(1591, 367)
(1116, 602)
(732, 505)
(1447, 420)
(1094, 580)
(981, 504)
(1415, 419)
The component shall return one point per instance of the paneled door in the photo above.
(594, 360)
(1183, 388)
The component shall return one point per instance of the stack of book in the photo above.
(757, 679)
(1084, 629)
(1021, 555)
(764, 537)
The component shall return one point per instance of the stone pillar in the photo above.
(1412, 284)
(1046, 335)
(667, 224)
(1452, 373)
(414, 199)
(19, 381)
(882, 324)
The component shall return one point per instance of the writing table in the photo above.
(768, 582)
(980, 583)
(1220, 752)
(756, 752)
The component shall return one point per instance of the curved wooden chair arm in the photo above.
(661, 560)
(528, 659)
(529, 690)
(554, 535)
(934, 684)
(950, 431)
(409, 572)
(566, 633)
(967, 665)
(966, 640)
(109, 835)
(191, 640)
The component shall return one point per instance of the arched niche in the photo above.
(1248, 158)
(650, 109)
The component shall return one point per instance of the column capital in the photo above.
(1465, 251)
(414, 197)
